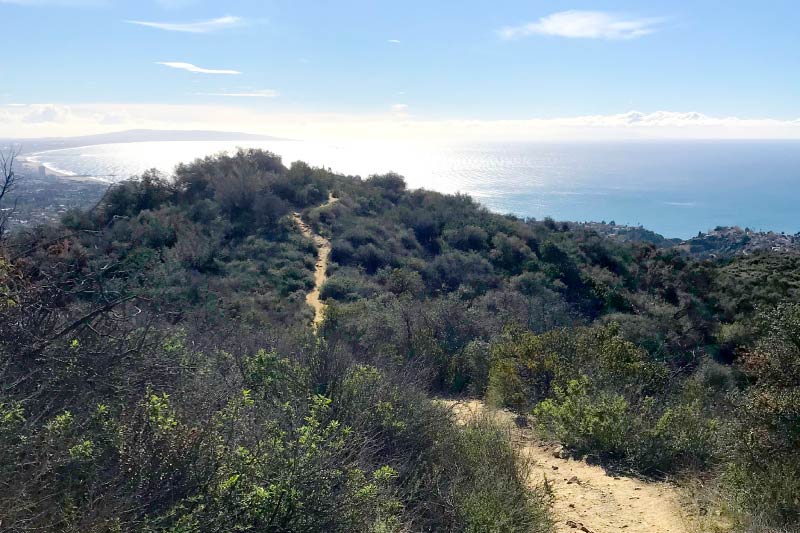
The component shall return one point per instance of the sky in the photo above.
(507, 69)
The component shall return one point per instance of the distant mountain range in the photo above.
(131, 136)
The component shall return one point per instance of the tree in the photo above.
(9, 181)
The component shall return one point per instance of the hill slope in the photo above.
(162, 368)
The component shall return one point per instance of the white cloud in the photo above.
(194, 68)
(46, 113)
(585, 25)
(261, 93)
(393, 41)
(42, 120)
(202, 26)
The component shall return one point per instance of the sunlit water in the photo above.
(676, 189)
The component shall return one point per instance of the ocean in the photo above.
(674, 188)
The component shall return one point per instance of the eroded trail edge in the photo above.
(586, 497)
(321, 268)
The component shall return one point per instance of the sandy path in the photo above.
(586, 497)
(321, 268)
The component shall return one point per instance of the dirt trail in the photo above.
(321, 268)
(586, 497)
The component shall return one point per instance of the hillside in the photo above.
(163, 371)
(719, 243)
(729, 242)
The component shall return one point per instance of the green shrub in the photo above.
(763, 474)
(685, 435)
(586, 422)
(300, 478)
(468, 238)
(525, 367)
(489, 491)
(601, 395)
(469, 369)
(642, 436)
(472, 474)
(763, 493)
(345, 288)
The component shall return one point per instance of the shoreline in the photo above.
(30, 166)
(668, 215)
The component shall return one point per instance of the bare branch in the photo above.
(8, 182)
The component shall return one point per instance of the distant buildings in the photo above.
(42, 171)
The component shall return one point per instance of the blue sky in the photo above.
(509, 68)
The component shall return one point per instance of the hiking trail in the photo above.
(320, 270)
(587, 498)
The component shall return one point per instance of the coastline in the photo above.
(566, 183)
(30, 166)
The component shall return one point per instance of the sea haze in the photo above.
(674, 188)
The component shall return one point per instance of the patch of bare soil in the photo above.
(321, 268)
(587, 498)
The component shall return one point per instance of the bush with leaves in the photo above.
(642, 436)
(763, 475)
(600, 395)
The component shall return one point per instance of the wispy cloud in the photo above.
(261, 93)
(47, 113)
(194, 68)
(400, 110)
(201, 26)
(681, 204)
(585, 25)
(393, 41)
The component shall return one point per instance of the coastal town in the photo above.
(720, 242)
(43, 197)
